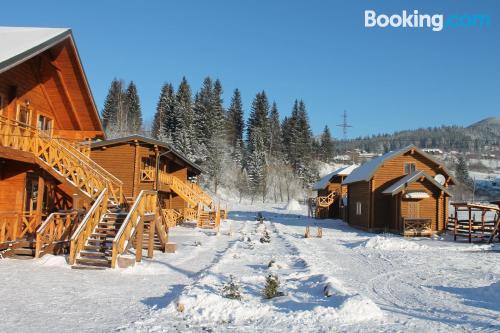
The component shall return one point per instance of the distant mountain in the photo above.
(489, 125)
(480, 137)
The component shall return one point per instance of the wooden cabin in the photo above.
(404, 191)
(53, 196)
(143, 163)
(331, 194)
(46, 110)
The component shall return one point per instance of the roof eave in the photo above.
(34, 51)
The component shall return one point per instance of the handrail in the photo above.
(64, 158)
(179, 187)
(143, 205)
(202, 195)
(326, 201)
(57, 227)
(89, 222)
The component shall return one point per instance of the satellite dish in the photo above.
(440, 178)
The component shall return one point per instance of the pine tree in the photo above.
(462, 172)
(133, 106)
(326, 146)
(184, 134)
(110, 111)
(202, 111)
(257, 166)
(259, 119)
(275, 136)
(163, 123)
(235, 122)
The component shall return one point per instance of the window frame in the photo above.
(18, 113)
(51, 129)
(359, 208)
(408, 169)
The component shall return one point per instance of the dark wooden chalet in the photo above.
(329, 202)
(403, 191)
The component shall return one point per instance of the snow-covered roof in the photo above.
(324, 181)
(365, 171)
(151, 141)
(22, 43)
(410, 178)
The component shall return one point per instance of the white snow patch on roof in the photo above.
(344, 171)
(16, 40)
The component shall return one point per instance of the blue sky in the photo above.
(320, 51)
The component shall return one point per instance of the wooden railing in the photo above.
(14, 226)
(62, 157)
(326, 201)
(190, 214)
(171, 217)
(148, 174)
(202, 195)
(58, 227)
(417, 226)
(9, 222)
(145, 204)
(89, 222)
(180, 187)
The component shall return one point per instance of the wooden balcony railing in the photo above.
(57, 228)
(89, 222)
(148, 174)
(144, 206)
(326, 201)
(172, 217)
(417, 226)
(62, 157)
(14, 226)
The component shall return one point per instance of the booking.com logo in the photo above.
(436, 22)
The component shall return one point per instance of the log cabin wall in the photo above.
(387, 174)
(359, 192)
(120, 161)
(427, 208)
(12, 184)
(55, 87)
(125, 160)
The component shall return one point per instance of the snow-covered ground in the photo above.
(375, 283)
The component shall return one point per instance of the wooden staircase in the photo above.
(70, 165)
(323, 204)
(97, 252)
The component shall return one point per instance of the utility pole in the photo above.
(344, 126)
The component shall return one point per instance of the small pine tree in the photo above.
(266, 238)
(462, 172)
(231, 289)
(271, 289)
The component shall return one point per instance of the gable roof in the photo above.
(20, 43)
(366, 171)
(411, 178)
(325, 180)
(151, 141)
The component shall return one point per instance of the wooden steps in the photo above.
(97, 251)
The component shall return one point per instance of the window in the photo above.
(44, 124)
(24, 114)
(410, 168)
(148, 161)
(358, 208)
